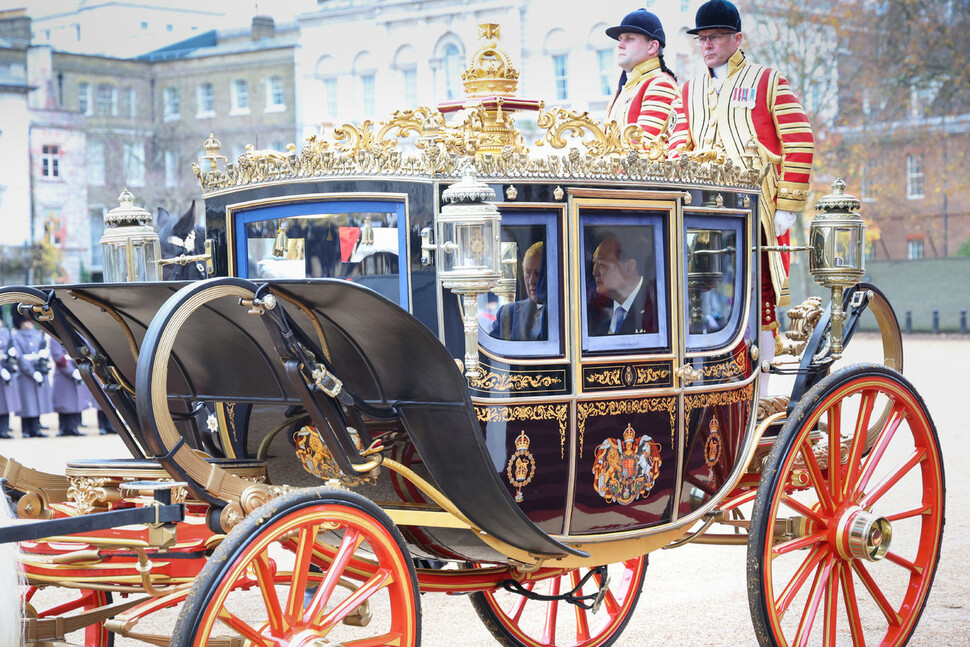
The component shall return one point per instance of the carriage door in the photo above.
(624, 347)
(720, 324)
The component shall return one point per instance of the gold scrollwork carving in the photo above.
(88, 493)
(490, 381)
(730, 368)
(557, 412)
(643, 375)
(694, 401)
(586, 410)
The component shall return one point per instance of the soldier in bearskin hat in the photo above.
(738, 105)
(647, 92)
(9, 397)
(33, 386)
(70, 395)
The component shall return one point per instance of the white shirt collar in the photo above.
(630, 299)
(720, 72)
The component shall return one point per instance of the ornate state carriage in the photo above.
(410, 377)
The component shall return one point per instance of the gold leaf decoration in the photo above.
(592, 409)
(558, 412)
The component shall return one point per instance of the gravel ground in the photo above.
(695, 595)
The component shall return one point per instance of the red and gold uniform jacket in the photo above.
(755, 101)
(650, 97)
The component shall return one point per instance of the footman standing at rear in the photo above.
(738, 105)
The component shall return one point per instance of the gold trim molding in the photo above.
(557, 412)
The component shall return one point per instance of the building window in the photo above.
(684, 6)
(410, 78)
(330, 89)
(453, 65)
(171, 170)
(134, 160)
(50, 161)
(367, 89)
(172, 107)
(604, 59)
(95, 159)
(205, 99)
(560, 74)
(914, 248)
(914, 177)
(240, 97)
(274, 94)
(84, 104)
(107, 100)
(128, 102)
(96, 220)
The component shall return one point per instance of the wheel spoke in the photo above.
(905, 563)
(267, 586)
(582, 620)
(872, 460)
(351, 541)
(609, 600)
(815, 474)
(832, 606)
(851, 607)
(859, 439)
(891, 616)
(382, 578)
(301, 570)
(814, 599)
(909, 514)
(835, 450)
(798, 579)
(552, 614)
(804, 510)
(892, 478)
(516, 611)
(797, 544)
(238, 625)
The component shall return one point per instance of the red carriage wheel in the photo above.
(66, 602)
(310, 567)
(523, 618)
(843, 552)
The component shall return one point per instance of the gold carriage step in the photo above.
(140, 469)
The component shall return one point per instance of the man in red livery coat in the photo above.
(647, 91)
(738, 102)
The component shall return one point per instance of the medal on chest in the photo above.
(743, 97)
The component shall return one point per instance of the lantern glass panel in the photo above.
(475, 246)
(847, 247)
(115, 259)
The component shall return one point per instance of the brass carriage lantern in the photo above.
(469, 259)
(130, 249)
(837, 259)
(510, 261)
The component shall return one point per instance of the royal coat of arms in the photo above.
(626, 470)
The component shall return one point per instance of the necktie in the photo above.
(618, 314)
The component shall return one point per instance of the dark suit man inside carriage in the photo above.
(525, 320)
(624, 302)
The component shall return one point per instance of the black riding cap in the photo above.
(640, 21)
(716, 14)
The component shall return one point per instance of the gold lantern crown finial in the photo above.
(126, 213)
(490, 70)
(212, 147)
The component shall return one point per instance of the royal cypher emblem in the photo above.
(626, 470)
(712, 448)
(521, 467)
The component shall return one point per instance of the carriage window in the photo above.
(714, 279)
(524, 306)
(356, 241)
(625, 303)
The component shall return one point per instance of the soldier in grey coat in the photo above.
(33, 364)
(9, 397)
(70, 395)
